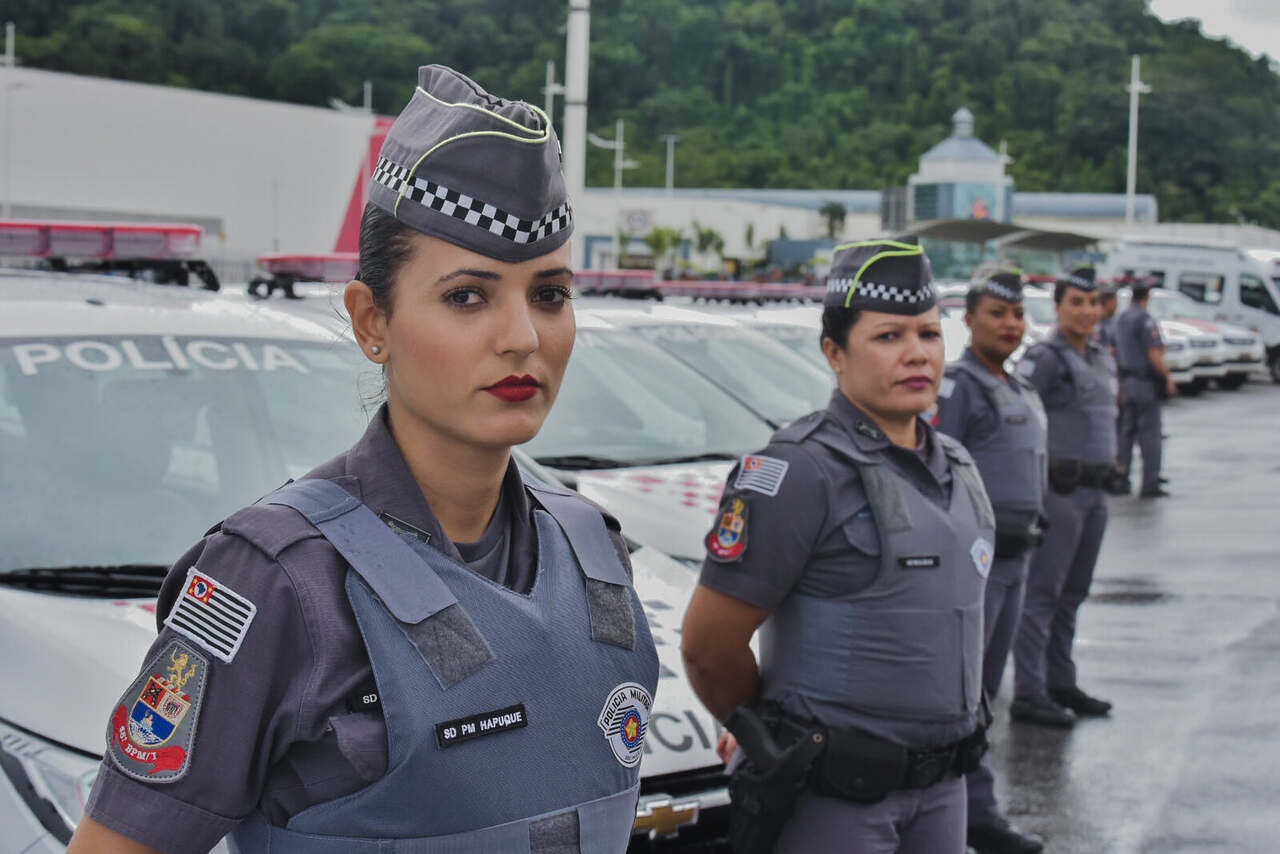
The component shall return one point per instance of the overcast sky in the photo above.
(1252, 24)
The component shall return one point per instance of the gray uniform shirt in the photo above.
(274, 727)
(816, 536)
(1137, 332)
(965, 412)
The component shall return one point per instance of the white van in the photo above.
(1241, 285)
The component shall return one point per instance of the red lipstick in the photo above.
(514, 389)
(917, 383)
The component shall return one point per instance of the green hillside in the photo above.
(763, 93)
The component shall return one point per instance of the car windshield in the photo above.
(1171, 307)
(764, 375)
(1041, 311)
(798, 339)
(624, 400)
(125, 450)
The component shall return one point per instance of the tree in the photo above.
(661, 242)
(708, 241)
(834, 213)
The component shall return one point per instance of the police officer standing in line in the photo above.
(409, 648)
(1001, 422)
(1108, 304)
(1144, 383)
(859, 541)
(1075, 377)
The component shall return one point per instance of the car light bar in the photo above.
(331, 267)
(644, 284)
(37, 239)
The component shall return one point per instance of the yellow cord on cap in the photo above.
(905, 250)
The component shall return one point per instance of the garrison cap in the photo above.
(473, 169)
(1002, 282)
(1084, 277)
(881, 275)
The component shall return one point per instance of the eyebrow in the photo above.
(467, 272)
(552, 273)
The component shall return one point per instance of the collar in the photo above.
(1059, 339)
(384, 482)
(869, 438)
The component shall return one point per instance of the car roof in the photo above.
(53, 304)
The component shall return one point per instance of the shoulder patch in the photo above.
(761, 474)
(728, 540)
(154, 725)
(946, 387)
(211, 614)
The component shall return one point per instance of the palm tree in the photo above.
(834, 213)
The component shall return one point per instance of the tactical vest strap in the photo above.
(964, 470)
(608, 587)
(372, 549)
(884, 494)
(996, 390)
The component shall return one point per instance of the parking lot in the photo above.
(1182, 633)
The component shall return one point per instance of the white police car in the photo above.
(132, 416)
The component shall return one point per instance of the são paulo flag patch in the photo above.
(761, 474)
(211, 614)
(624, 721)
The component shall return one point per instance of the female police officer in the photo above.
(410, 643)
(1000, 420)
(861, 540)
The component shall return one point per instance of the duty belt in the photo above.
(1066, 475)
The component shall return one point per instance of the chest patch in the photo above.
(461, 730)
(155, 723)
(624, 720)
(982, 552)
(761, 474)
(920, 562)
(729, 539)
(211, 614)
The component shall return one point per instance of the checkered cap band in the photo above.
(998, 290)
(470, 210)
(884, 293)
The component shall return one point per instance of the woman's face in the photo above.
(892, 363)
(1079, 312)
(475, 348)
(997, 326)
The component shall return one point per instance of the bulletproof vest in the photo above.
(908, 646)
(515, 722)
(1131, 342)
(1084, 427)
(1014, 459)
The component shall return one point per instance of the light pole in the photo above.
(618, 146)
(1136, 89)
(671, 161)
(9, 88)
(551, 89)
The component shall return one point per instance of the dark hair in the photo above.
(972, 297)
(1059, 291)
(1140, 292)
(385, 244)
(836, 323)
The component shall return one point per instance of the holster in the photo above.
(763, 789)
(1161, 387)
(860, 767)
(1015, 535)
(1065, 475)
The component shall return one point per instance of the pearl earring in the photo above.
(375, 349)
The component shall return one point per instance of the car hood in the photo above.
(76, 656)
(79, 655)
(682, 733)
(670, 506)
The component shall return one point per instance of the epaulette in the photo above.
(954, 450)
(271, 528)
(800, 429)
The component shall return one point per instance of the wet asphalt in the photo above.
(1182, 633)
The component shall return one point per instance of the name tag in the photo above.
(1015, 419)
(920, 562)
(460, 730)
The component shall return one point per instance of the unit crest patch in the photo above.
(624, 720)
(211, 614)
(729, 539)
(982, 551)
(153, 727)
(762, 474)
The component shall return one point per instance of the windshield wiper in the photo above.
(691, 458)
(122, 581)
(582, 462)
